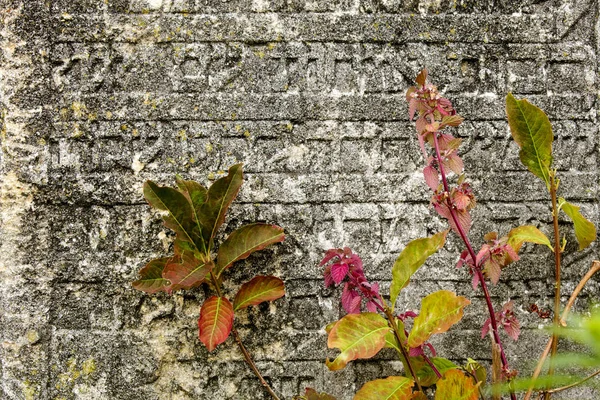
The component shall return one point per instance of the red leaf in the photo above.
(186, 271)
(338, 272)
(432, 177)
(216, 321)
(350, 300)
(259, 289)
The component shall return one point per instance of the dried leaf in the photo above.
(422, 77)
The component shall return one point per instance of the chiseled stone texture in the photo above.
(98, 96)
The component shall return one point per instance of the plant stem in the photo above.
(392, 322)
(432, 366)
(467, 243)
(243, 349)
(538, 369)
(554, 345)
(560, 389)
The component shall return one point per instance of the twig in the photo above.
(560, 389)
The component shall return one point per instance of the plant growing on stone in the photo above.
(532, 131)
(195, 214)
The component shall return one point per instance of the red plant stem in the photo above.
(465, 239)
(433, 367)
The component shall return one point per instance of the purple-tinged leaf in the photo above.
(391, 388)
(357, 336)
(152, 280)
(258, 290)
(186, 271)
(439, 311)
(432, 177)
(179, 216)
(410, 260)
(216, 321)
(245, 241)
(211, 213)
(585, 231)
(454, 163)
(350, 300)
(338, 272)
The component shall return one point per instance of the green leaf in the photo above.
(357, 336)
(185, 271)
(585, 231)
(527, 233)
(531, 129)
(196, 195)
(455, 385)
(179, 216)
(390, 337)
(410, 260)
(259, 289)
(439, 311)
(152, 280)
(391, 388)
(245, 241)
(216, 321)
(476, 370)
(211, 213)
(425, 373)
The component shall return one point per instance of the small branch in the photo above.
(538, 369)
(392, 321)
(554, 342)
(243, 349)
(432, 366)
(467, 243)
(560, 389)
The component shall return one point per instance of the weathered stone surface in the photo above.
(98, 96)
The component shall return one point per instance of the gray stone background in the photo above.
(98, 96)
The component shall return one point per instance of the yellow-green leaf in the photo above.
(527, 233)
(357, 336)
(455, 385)
(585, 231)
(425, 374)
(391, 388)
(410, 260)
(439, 311)
(531, 129)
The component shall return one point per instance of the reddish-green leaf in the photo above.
(531, 129)
(196, 195)
(476, 369)
(390, 337)
(391, 388)
(357, 336)
(585, 231)
(425, 373)
(179, 213)
(211, 213)
(410, 260)
(312, 394)
(455, 385)
(439, 311)
(186, 271)
(527, 233)
(152, 280)
(259, 289)
(244, 241)
(216, 321)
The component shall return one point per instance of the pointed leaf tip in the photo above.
(215, 322)
(585, 231)
(258, 290)
(532, 131)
